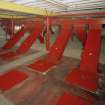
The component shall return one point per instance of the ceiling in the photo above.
(64, 6)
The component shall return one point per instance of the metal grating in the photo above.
(64, 6)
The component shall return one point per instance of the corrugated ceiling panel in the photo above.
(63, 5)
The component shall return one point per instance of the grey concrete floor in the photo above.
(39, 89)
(4, 101)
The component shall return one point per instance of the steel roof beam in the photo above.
(23, 9)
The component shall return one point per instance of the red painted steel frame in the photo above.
(81, 32)
(48, 33)
(78, 25)
(55, 52)
(41, 38)
(31, 38)
(25, 46)
(86, 76)
(16, 37)
(12, 27)
(77, 21)
(43, 65)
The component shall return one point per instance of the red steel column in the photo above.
(12, 29)
(81, 31)
(86, 76)
(90, 57)
(48, 33)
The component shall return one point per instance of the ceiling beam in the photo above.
(23, 9)
(6, 16)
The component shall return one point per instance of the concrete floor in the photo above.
(46, 89)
